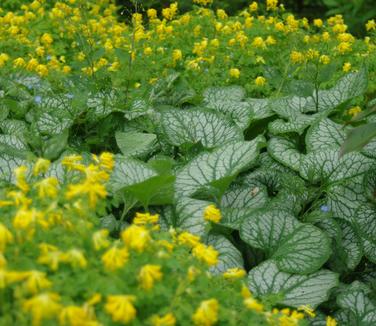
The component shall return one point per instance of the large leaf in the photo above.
(238, 202)
(158, 190)
(285, 151)
(211, 169)
(198, 125)
(361, 308)
(325, 134)
(327, 166)
(230, 101)
(294, 246)
(229, 256)
(294, 290)
(135, 144)
(128, 172)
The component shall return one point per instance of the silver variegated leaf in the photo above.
(295, 290)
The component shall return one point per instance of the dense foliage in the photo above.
(233, 131)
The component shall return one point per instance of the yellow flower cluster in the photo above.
(163, 44)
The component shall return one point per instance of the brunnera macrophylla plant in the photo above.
(213, 132)
(58, 267)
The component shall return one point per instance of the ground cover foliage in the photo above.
(234, 132)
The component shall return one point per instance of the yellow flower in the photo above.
(169, 13)
(41, 166)
(203, 2)
(166, 320)
(47, 187)
(19, 62)
(344, 47)
(94, 191)
(308, 310)
(245, 292)
(188, 239)
(76, 258)
(148, 51)
(253, 6)
(36, 281)
(318, 22)
(371, 25)
(136, 237)
(5, 237)
(145, 218)
(77, 316)
(346, 67)
(148, 275)
(234, 273)
(221, 14)
(258, 42)
(253, 304)
(324, 59)
(115, 258)
(354, 111)
(42, 306)
(20, 174)
(177, 55)
(260, 81)
(234, 73)
(52, 259)
(151, 13)
(121, 308)
(207, 313)
(330, 321)
(42, 70)
(206, 254)
(100, 239)
(296, 57)
(212, 213)
(271, 4)
(46, 39)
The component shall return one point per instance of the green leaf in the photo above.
(260, 108)
(198, 125)
(157, 190)
(358, 138)
(53, 147)
(366, 221)
(350, 245)
(351, 85)
(238, 202)
(294, 246)
(223, 164)
(230, 101)
(285, 151)
(13, 142)
(190, 215)
(325, 134)
(295, 290)
(7, 165)
(346, 197)
(100, 105)
(229, 255)
(327, 166)
(296, 123)
(357, 303)
(128, 172)
(135, 144)
(13, 127)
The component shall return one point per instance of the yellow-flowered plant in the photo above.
(58, 267)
